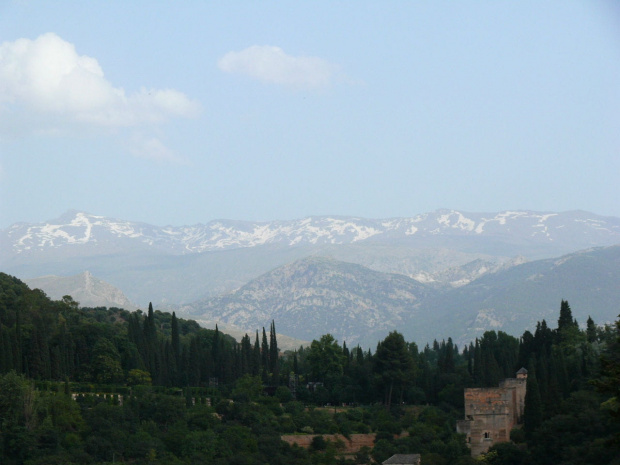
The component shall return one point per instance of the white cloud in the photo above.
(152, 148)
(271, 64)
(44, 80)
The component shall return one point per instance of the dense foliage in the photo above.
(97, 385)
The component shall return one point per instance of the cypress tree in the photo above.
(216, 355)
(265, 356)
(273, 354)
(470, 359)
(246, 355)
(591, 330)
(448, 364)
(150, 342)
(478, 365)
(533, 409)
(256, 357)
(175, 338)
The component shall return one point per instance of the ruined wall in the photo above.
(352, 444)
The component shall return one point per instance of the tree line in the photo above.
(169, 369)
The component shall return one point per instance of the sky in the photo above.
(178, 113)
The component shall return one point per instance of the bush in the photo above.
(517, 435)
(318, 443)
(283, 394)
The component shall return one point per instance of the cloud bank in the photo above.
(47, 87)
(270, 64)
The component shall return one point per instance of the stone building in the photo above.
(491, 413)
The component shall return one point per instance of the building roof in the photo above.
(403, 459)
(522, 371)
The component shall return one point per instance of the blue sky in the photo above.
(183, 112)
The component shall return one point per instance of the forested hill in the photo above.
(47, 339)
(97, 385)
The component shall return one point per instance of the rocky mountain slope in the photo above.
(317, 295)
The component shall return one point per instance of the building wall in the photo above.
(491, 413)
(519, 392)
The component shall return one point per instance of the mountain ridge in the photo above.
(79, 228)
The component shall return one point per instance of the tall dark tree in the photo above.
(591, 330)
(326, 360)
(174, 364)
(264, 351)
(533, 410)
(274, 355)
(246, 355)
(394, 365)
(478, 365)
(256, 357)
(566, 317)
(175, 337)
(150, 355)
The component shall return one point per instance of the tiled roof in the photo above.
(403, 459)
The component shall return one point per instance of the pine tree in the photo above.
(393, 364)
(566, 316)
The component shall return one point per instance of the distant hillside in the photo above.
(84, 288)
(518, 297)
(315, 296)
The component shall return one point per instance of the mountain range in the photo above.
(357, 278)
(361, 306)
